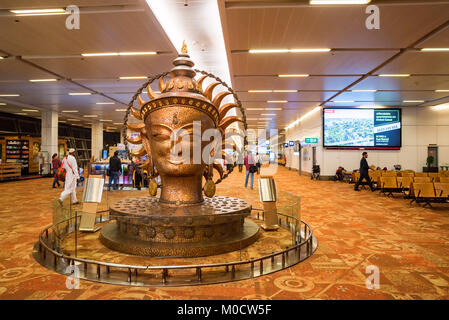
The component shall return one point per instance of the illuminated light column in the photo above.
(49, 132)
(97, 139)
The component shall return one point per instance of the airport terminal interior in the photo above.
(224, 150)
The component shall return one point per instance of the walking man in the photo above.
(364, 173)
(249, 163)
(71, 176)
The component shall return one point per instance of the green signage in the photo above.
(311, 140)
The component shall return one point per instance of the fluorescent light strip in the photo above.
(90, 116)
(133, 77)
(2, 104)
(303, 117)
(9, 95)
(105, 54)
(70, 111)
(293, 75)
(434, 49)
(42, 14)
(121, 110)
(105, 103)
(394, 75)
(331, 2)
(412, 101)
(58, 10)
(30, 110)
(440, 107)
(21, 113)
(370, 107)
(43, 80)
(73, 119)
(288, 50)
(79, 93)
(105, 120)
(277, 101)
(442, 90)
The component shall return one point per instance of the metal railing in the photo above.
(303, 245)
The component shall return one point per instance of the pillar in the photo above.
(49, 132)
(97, 140)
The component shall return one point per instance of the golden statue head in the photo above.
(172, 113)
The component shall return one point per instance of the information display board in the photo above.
(354, 128)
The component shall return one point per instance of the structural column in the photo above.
(97, 140)
(49, 132)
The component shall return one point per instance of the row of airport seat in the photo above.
(418, 189)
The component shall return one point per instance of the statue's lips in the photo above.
(175, 161)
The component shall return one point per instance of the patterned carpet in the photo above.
(409, 245)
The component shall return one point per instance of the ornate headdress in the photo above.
(183, 90)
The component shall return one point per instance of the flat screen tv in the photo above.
(357, 128)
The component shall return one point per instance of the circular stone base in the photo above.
(112, 238)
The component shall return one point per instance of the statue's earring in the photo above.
(209, 188)
(152, 185)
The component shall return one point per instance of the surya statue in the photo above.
(181, 102)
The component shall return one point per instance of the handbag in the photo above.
(252, 169)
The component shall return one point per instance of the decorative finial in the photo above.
(184, 47)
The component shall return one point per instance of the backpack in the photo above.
(61, 172)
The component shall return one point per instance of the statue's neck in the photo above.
(181, 190)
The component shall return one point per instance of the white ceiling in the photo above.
(41, 47)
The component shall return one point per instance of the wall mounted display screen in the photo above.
(354, 128)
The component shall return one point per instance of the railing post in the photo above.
(272, 260)
(164, 276)
(198, 274)
(227, 268)
(252, 268)
(108, 269)
(85, 269)
(233, 271)
(98, 271)
(283, 260)
(261, 268)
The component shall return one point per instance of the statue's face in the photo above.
(160, 125)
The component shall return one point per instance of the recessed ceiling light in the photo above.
(33, 12)
(434, 49)
(288, 50)
(105, 103)
(285, 90)
(277, 101)
(90, 116)
(120, 110)
(30, 110)
(43, 80)
(394, 75)
(9, 95)
(133, 77)
(137, 53)
(412, 101)
(293, 75)
(363, 90)
(104, 54)
(79, 93)
(69, 111)
(442, 90)
(321, 2)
